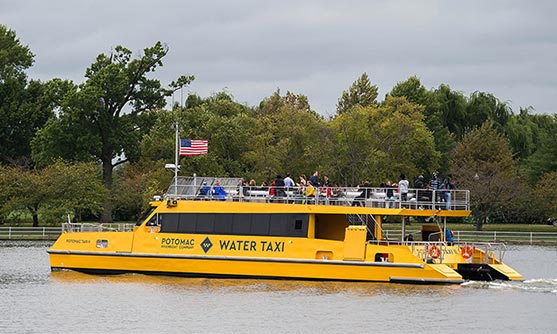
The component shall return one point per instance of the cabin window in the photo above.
(276, 224)
(169, 222)
(145, 215)
(188, 223)
(261, 224)
(205, 223)
(101, 243)
(383, 257)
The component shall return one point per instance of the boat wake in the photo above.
(540, 285)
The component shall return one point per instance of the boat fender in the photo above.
(466, 251)
(434, 251)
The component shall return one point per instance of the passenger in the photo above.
(325, 191)
(264, 185)
(239, 190)
(364, 194)
(314, 180)
(336, 194)
(288, 182)
(219, 191)
(326, 181)
(272, 189)
(425, 196)
(302, 185)
(279, 187)
(310, 191)
(245, 188)
(403, 185)
(434, 186)
(303, 181)
(205, 190)
(449, 237)
(389, 194)
(446, 192)
(419, 184)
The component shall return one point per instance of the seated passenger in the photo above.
(205, 190)
(219, 191)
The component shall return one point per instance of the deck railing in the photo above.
(380, 197)
(52, 233)
(491, 236)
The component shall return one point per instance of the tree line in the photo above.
(97, 150)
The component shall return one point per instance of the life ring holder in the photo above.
(434, 251)
(466, 251)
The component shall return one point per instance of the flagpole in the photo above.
(176, 161)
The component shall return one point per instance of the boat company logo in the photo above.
(206, 244)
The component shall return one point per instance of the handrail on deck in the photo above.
(489, 249)
(380, 197)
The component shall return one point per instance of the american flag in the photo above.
(193, 146)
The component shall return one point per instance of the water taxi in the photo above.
(246, 232)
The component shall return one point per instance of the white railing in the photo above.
(97, 227)
(38, 233)
(421, 249)
(489, 236)
(51, 233)
(379, 197)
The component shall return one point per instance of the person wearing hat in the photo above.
(434, 186)
(205, 190)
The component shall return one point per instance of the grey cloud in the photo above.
(316, 48)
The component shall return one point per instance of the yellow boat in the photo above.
(249, 233)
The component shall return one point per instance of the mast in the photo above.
(176, 157)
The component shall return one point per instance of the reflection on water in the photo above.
(222, 286)
(35, 300)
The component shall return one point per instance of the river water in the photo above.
(35, 300)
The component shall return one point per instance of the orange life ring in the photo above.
(434, 251)
(466, 251)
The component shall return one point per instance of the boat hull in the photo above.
(269, 268)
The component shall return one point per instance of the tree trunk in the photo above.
(479, 222)
(34, 213)
(106, 216)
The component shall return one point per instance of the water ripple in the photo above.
(539, 285)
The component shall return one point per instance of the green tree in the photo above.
(379, 143)
(484, 164)
(135, 185)
(546, 196)
(54, 191)
(544, 158)
(105, 117)
(482, 107)
(361, 93)
(436, 108)
(289, 137)
(24, 106)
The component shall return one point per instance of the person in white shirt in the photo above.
(403, 185)
(288, 182)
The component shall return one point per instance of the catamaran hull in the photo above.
(227, 267)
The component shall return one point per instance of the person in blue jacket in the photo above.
(219, 191)
(449, 237)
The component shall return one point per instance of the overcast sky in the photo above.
(315, 48)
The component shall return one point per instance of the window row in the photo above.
(276, 224)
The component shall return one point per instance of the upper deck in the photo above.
(205, 188)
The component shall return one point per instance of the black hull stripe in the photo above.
(243, 259)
